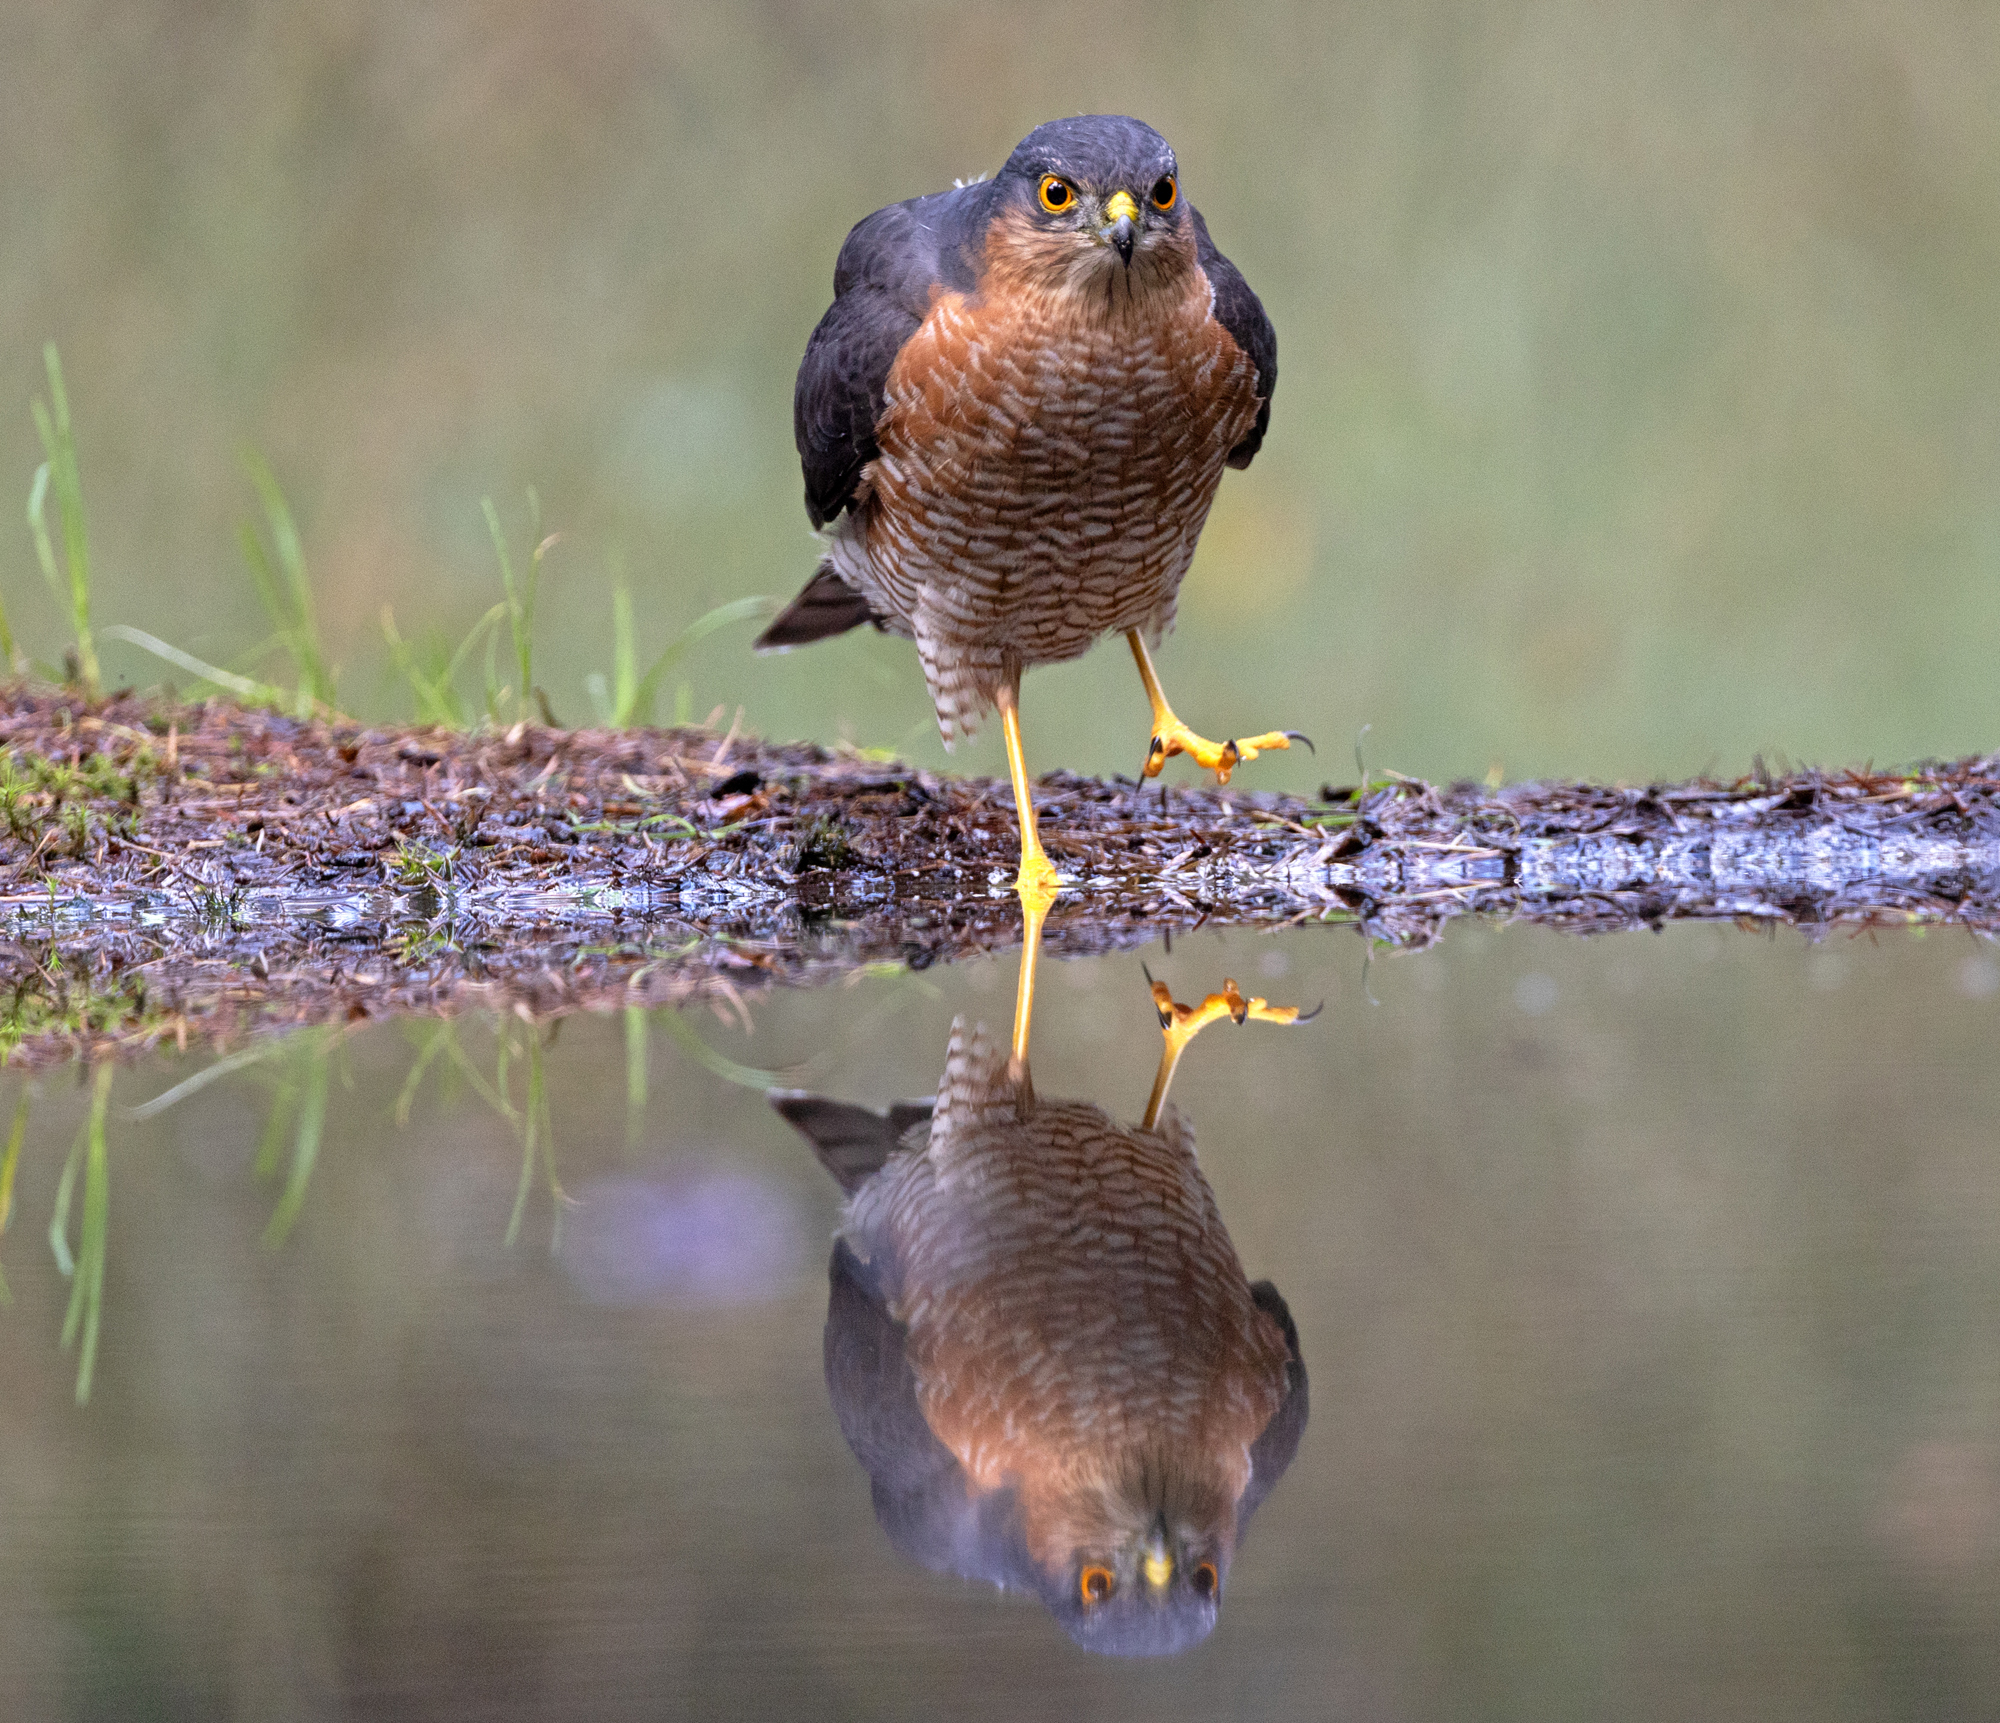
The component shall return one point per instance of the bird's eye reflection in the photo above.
(1057, 194)
(1164, 192)
(980, 1360)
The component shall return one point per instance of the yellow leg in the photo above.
(1180, 1024)
(1171, 736)
(1034, 911)
(1036, 884)
(1037, 875)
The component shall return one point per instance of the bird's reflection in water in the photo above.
(1041, 1345)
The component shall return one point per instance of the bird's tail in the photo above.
(827, 606)
(851, 1142)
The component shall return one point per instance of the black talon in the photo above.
(1301, 736)
(1308, 1016)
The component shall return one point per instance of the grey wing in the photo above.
(1241, 312)
(1278, 1441)
(921, 1495)
(890, 269)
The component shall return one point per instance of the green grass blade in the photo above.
(520, 597)
(624, 651)
(494, 1098)
(243, 687)
(59, 1217)
(638, 706)
(17, 662)
(86, 1294)
(407, 1096)
(473, 636)
(635, 1070)
(524, 638)
(201, 1079)
(746, 1076)
(277, 1122)
(514, 618)
(286, 590)
(60, 472)
(7, 1166)
(305, 1146)
(493, 677)
(531, 1120)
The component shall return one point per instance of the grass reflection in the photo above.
(299, 1108)
(509, 1077)
(8, 1166)
(84, 1269)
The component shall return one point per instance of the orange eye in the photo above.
(1205, 1578)
(1096, 1584)
(1057, 194)
(1164, 192)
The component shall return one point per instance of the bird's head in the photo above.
(1095, 200)
(1145, 1565)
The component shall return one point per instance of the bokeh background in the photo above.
(1640, 395)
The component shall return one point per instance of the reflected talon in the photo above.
(1180, 1024)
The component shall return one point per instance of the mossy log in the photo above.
(177, 871)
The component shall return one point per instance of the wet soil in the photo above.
(178, 872)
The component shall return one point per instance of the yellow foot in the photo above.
(1037, 882)
(1180, 1024)
(1171, 736)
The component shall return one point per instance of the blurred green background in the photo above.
(1640, 398)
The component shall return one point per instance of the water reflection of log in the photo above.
(199, 870)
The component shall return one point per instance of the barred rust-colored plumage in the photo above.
(1046, 1302)
(1076, 1312)
(1048, 459)
(1013, 427)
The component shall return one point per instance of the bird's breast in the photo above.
(1072, 1300)
(1033, 436)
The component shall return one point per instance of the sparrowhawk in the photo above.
(1013, 419)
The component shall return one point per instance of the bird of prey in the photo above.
(1043, 1349)
(1013, 419)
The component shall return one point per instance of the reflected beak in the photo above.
(1157, 1565)
(1121, 223)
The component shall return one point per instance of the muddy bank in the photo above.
(169, 873)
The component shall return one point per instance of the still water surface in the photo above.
(1647, 1287)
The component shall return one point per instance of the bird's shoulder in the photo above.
(1238, 309)
(891, 268)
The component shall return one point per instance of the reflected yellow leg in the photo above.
(1180, 1024)
(1036, 883)
(1171, 736)
(1034, 911)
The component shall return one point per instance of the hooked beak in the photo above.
(1121, 223)
(1156, 1564)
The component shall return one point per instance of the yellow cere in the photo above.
(1121, 207)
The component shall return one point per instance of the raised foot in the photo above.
(1172, 737)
